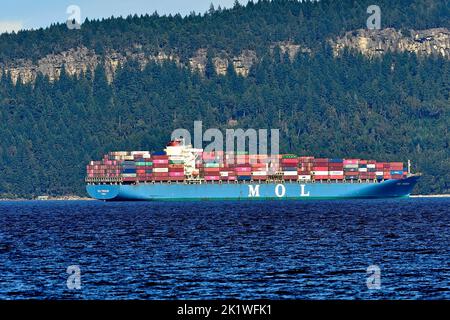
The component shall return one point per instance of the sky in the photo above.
(33, 14)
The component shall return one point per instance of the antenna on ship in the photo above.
(409, 167)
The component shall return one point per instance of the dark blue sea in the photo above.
(210, 250)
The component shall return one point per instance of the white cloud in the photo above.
(10, 26)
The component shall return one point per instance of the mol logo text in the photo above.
(279, 191)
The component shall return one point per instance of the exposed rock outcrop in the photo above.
(198, 61)
(291, 48)
(369, 42)
(244, 61)
(376, 42)
(241, 63)
(77, 61)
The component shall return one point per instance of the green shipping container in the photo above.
(289, 156)
(211, 165)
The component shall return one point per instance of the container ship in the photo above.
(182, 172)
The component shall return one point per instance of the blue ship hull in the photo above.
(252, 190)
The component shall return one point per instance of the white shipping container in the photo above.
(290, 173)
(160, 169)
(259, 173)
(371, 166)
(379, 173)
(173, 150)
(304, 177)
(362, 169)
(224, 173)
(336, 173)
(128, 175)
(351, 166)
(176, 158)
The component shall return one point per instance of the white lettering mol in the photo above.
(278, 192)
(253, 191)
(302, 191)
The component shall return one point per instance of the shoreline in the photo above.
(430, 196)
(77, 198)
(63, 198)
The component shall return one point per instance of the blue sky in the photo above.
(32, 14)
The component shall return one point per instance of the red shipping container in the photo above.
(171, 165)
(160, 165)
(259, 177)
(160, 174)
(396, 166)
(258, 165)
(212, 178)
(176, 178)
(337, 177)
(228, 178)
(176, 174)
(211, 170)
(289, 161)
(160, 178)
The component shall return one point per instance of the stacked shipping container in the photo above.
(219, 166)
(289, 166)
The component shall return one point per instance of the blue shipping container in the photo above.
(289, 168)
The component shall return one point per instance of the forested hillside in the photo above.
(254, 26)
(392, 107)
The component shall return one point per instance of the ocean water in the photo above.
(210, 250)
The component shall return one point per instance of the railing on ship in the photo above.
(103, 179)
(272, 179)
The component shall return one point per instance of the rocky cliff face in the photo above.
(376, 42)
(369, 42)
(77, 61)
